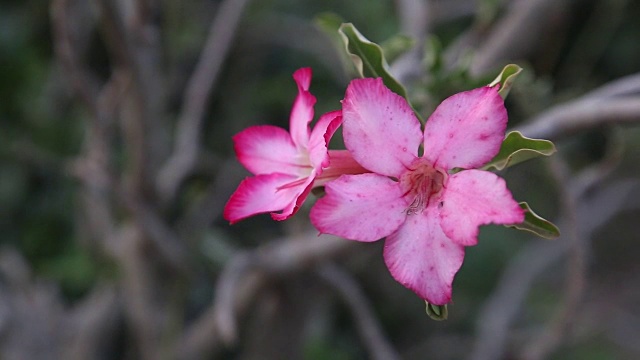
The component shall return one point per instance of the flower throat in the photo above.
(421, 183)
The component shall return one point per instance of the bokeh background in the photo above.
(116, 160)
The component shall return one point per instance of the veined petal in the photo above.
(302, 110)
(466, 129)
(363, 207)
(473, 198)
(266, 149)
(320, 136)
(261, 194)
(302, 190)
(379, 127)
(421, 257)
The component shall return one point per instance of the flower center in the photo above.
(421, 183)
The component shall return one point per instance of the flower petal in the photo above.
(473, 198)
(421, 257)
(379, 127)
(340, 163)
(302, 110)
(261, 194)
(466, 130)
(302, 189)
(267, 149)
(364, 207)
(320, 137)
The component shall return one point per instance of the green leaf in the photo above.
(368, 58)
(506, 78)
(536, 224)
(437, 312)
(516, 148)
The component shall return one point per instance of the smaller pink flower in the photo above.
(286, 165)
(427, 213)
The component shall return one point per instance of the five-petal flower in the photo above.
(287, 165)
(427, 212)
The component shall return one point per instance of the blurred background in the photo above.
(116, 160)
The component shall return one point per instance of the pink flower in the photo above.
(427, 213)
(287, 165)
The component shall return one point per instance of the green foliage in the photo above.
(74, 269)
(437, 312)
(506, 78)
(517, 148)
(368, 58)
(39, 133)
(536, 224)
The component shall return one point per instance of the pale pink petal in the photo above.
(302, 110)
(473, 198)
(302, 190)
(363, 207)
(267, 149)
(260, 194)
(466, 130)
(421, 257)
(320, 137)
(379, 127)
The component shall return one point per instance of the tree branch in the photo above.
(84, 84)
(92, 325)
(244, 276)
(628, 85)
(583, 114)
(199, 88)
(133, 45)
(576, 277)
(502, 307)
(365, 319)
(414, 21)
(516, 34)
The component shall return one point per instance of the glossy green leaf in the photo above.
(517, 148)
(437, 312)
(536, 224)
(506, 78)
(368, 58)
